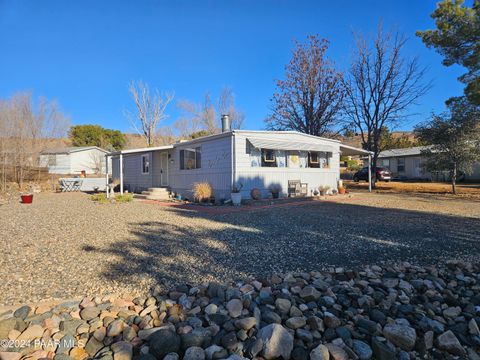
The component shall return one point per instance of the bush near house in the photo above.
(202, 191)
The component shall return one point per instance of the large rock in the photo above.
(309, 293)
(162, 342)
(449, 342)
(246, 323)
(400, 335)
(362, 349)
(31, 333)
(22, 312)
(277, 342)
(331, 320)
(296, 322)
(235, 307)
(319, 353)
(283, 305)
(115, 328)
(89, 313)
(93, 346)
(6, 326)
(336, 352)
(8, 355)
(194, 353)
(122, 350)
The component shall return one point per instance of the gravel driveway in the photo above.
(65, 245)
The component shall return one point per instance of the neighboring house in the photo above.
(408, 164)
(255, 159)
(74, 160)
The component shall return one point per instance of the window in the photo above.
(401, 164)
(318, 159)
(52, 160)
(191, 159)
(313, 160)
(146, 164)
(385, 163)
(268, 158)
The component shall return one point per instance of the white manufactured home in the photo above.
(408, 164)
(74, 160)
(251, 159)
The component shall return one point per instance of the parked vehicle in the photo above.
(381, 174)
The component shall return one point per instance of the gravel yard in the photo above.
(66, 246)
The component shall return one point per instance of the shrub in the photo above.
(124, 198)
(202, 191)
(101, 198)
(256, 194)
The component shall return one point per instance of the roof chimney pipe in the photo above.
(226, 123)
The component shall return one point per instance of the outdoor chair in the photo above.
(297, 189)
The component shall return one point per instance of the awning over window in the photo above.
(288, 145)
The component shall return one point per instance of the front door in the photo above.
(160, 169)
(164, 169)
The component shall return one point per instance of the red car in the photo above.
(381, 174)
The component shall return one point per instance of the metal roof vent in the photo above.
(226, 123)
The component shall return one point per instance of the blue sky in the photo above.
(84, 53)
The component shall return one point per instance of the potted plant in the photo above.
(342, 189)
(323, 189)
(275, 190)
(236, 195)
(27, 197)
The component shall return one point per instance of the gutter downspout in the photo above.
(106, 175)
(369, 172)
(233, 160)
(121, 173)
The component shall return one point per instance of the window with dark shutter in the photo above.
(198, 158)
(182, 159)
(190, 159)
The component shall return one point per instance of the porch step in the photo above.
(159, 190)
(154, 194)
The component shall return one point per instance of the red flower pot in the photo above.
(27, 199)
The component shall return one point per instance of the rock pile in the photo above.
(393, 312)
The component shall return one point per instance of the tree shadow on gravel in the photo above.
(202, 247)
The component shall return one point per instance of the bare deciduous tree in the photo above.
(226, 106)
(381, 86)
(150, 110)
(204, 118)
(310, 98)
(26, 129)
(196, 117)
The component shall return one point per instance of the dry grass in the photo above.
(202, 191)
(463, 189)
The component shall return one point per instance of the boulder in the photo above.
(162, 342)
(277, 342)
(400, 335)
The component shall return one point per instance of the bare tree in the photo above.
(310, 98)
(226, 106)
(196, 117)
(381, 86)
(150, 110)
(204, 118)
(26, 129)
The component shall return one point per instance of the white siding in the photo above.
(133, 179)
(62, 163)
(264, 177)
(216, 167)
(92, 161)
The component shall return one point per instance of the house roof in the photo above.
(413, 151)
(69, 150)
(139, 150)
(347, 150)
